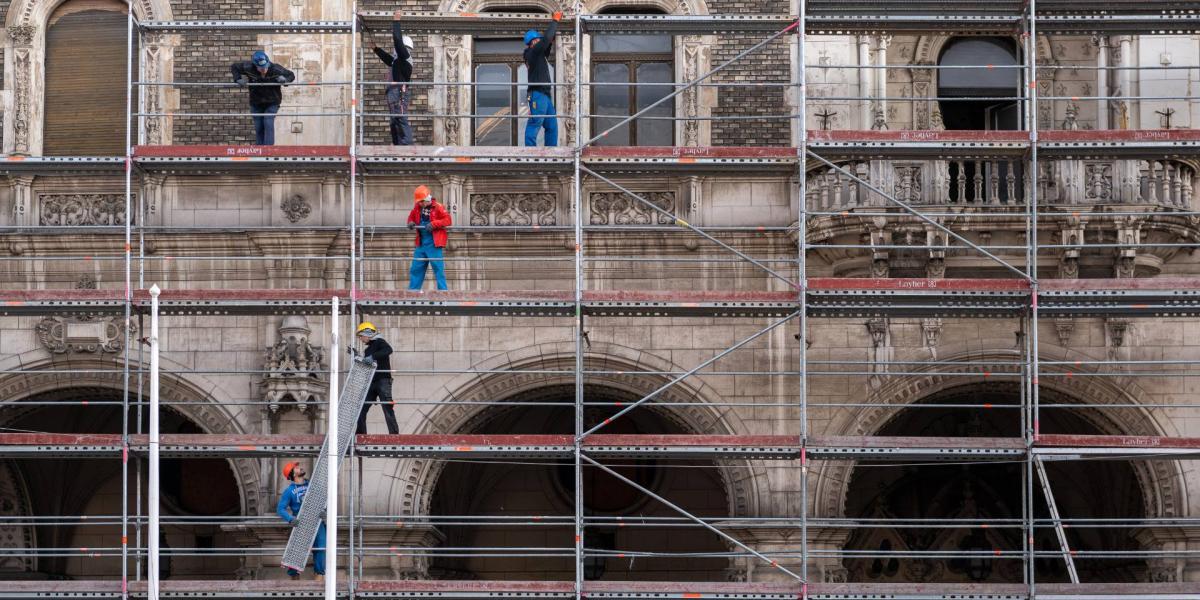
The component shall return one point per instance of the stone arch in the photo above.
(187, 395)
(1161, 482)
(14, 502)
(418, 477)
(24, 72)
(452, 62)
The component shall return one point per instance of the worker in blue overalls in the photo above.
(289, 509)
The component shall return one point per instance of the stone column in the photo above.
(881, 78)
(864, 82)
(26, 106)
(1102, 88)
(1126, 115)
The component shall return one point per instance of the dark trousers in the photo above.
(264, 126)
(397, 101)
(379, 393)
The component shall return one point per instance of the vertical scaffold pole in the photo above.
(153, 487)
(579, 332)
(331, 491)
(802, 277)
(128, 303)
(355, 81)
(1032, 267)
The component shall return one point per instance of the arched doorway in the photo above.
(85, 81)
(526, 488)
(66, 489)
(988, 490)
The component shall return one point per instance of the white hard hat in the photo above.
(407, 41)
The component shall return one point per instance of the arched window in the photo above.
(499, 61)
(85, 80)
(633, 59)
(975, 86)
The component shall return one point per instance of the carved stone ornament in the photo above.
(81, 209)
(617, 208)
(82, 335)
(293, 368)
(22, 35)
(296, 208)
(513, 209)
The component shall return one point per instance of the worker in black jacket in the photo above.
(380, 392)
(265, 95)
(541, 97)
(398, 95)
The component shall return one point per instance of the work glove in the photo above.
(281, 79)
(412, 225)
(557, 16)
(294, 523)
(352, 351)
(243, 81)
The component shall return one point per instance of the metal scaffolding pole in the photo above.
(155, 485)
(577, 191)
(802, 276)
(333, 458)
(128, 319)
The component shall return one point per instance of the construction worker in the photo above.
(541, 97)
(265, 95)
(289, 509)
(430, 219)
(398, 96)
(380, 392)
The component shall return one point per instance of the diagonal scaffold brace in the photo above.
(312, 509)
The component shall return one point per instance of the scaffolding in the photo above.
(790, 301)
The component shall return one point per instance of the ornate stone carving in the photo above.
(150, 66)
(81, 209)
(22, 66)
(82, 335)
(569, 46)
(1064, 327)
(908, 183)
(931, 330)
(1072, 120)
(513, 209)
(692, 52)
(1098, 178)
(453, 54)
(22, 35)
(1116, 330)
(85, 282)
(617, 208)
(296, 208)
(293, 368)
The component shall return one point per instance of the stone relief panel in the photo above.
(82, 335)
(81, 209)
(514, 208)
(617, 208)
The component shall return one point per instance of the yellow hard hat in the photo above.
(364, 326)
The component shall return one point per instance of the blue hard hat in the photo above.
(260, 59)
(531, 35)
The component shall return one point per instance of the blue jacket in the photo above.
(290, 501)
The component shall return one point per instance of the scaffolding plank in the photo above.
(870, 297)
(1065, 446)
(465, 23)
(918, 143)
(1143, 297)
(1157, 144)
(689, 24)
(59, 445)
(61, 165)
(312, 507)
(653, 159)
(912, 448)
(627, 303)
(222, 159)
(40, 302)
(504, 160)
(246, 26)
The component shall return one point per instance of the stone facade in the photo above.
(241, 374)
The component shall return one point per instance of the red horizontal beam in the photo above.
(598, 440)
(466, 153)
(240, 151)
(921, 135)
(685, 297)
(896, 284)
(913, 442)
(1151, 284)
(19, 297)
(60, 439)
(1116, 441)
(465, 586)
(689, 152)
(1120, 135)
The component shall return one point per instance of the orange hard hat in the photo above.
(422, 192)
(288, 468)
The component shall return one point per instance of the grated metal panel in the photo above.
(312, 510)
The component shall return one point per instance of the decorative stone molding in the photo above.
(22, 35)
(295, 208)
(617, 208)
(294, 370)
(82, 335)
(81, 209)
(931, 332)
(455, 64)
(514, 208)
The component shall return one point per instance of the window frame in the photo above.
(514, 62)
(631, 60)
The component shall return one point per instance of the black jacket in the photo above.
(536, 61)
(379, 351)
(401, 64)
(262, 94)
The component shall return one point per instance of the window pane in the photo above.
(493, 100)
(499, 46)
(631, 44)
(611, 100)
(655, 132)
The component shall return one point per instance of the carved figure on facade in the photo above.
(295, 208)
(515, 208)
(294, 369)
(81, 209)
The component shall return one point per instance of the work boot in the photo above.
(294, 576)
(320, 577)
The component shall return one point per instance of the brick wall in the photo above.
(205, 57)
(375, 129)
(771, 63)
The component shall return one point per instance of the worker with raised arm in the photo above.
(265, 95)
(430, 219)
(541, 93)
(400, 63)
(378, 351)
(288, 509)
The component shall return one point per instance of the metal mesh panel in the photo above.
(312, 511)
